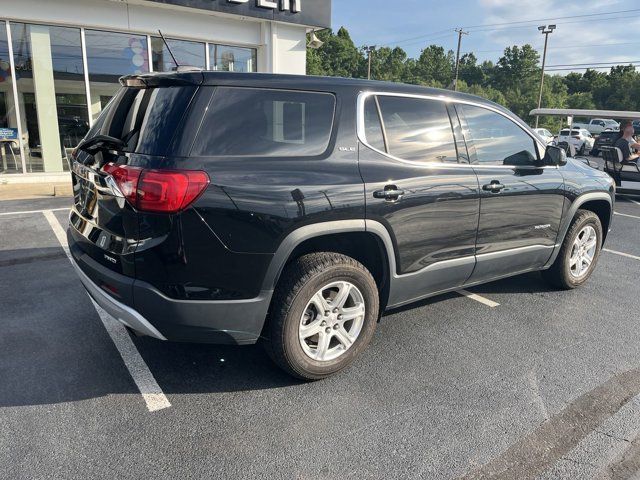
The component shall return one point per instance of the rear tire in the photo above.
(579, 252)
(311, 334)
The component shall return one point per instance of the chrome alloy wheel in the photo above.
(332, 321)
(583, 251)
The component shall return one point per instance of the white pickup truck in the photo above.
(598, 125)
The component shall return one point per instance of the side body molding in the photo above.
(403, 289)
(566, 221)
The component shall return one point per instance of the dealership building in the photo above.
(60, 61)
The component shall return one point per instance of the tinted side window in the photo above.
(417, 129)
(498, 140)
(372, 126)
(265, 123)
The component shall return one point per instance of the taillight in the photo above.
(576, 137)
(165, 191)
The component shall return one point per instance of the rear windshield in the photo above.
(145, 119)
(265, 123)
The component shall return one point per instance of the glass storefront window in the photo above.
(44, 107)
(232, 59)
(187, 53)
(110, 56)
(10, 160)
(51, 93)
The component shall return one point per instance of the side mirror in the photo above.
(555, 156)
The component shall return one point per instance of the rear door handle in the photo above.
(390, 193)
(494, 187)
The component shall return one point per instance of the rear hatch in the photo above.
(131, 138)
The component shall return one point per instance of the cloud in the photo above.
(576, 40)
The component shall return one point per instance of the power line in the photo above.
(595, 63)
(573, 47)
(589, 68)
(478, 29)
(424, 37)
(551, 19)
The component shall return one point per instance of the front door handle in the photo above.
(494, 187)
(390, 193)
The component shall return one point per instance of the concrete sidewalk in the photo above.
(21, 191)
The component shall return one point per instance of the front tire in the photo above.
(323, 314)
(579, 252)
(582, 149)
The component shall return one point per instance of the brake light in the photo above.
(163, 191)
(576, 136)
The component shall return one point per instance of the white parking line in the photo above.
(632, 201)
(626, 215)
(622, 254)
(478, 298)
(34, 211)
(151, 392)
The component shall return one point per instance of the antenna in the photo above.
(166, 44)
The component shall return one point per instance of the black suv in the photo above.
(232, 208)
(605, 139)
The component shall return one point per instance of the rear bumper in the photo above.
(149, 312)
(126, 315)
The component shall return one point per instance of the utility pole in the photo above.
(545, 31)
(460, 33)
(370, 49)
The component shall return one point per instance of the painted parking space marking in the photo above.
(2, 214)
(151, 392)
(626, 215)
(629, 199)
(622, 254)
(478, 298)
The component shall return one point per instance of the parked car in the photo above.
(580, 138)
(545, 134)
(292, 210)
(598, 125)
(605, 139)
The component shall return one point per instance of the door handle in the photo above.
(390, 193)
(494, 187)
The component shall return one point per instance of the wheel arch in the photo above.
(371, 246)
(600, 203)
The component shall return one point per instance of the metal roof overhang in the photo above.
(575, 112)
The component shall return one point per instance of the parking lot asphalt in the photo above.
(529, 382)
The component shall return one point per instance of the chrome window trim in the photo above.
(363, 96)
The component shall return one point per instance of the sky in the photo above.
(588, 31)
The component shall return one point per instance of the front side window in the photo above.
(498, 140)
(417, 129)
(265, 123)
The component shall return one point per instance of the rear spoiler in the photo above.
(185, 76)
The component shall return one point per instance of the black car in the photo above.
(233, 208)
(605, 139)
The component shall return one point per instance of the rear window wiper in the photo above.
(101, 143)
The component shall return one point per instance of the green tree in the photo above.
(337, 57)
(434, 67)
(517, 68)
(583, 100)
(387, 64)
(470, 71)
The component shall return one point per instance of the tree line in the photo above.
(513, 81)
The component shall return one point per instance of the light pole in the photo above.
(370, 49)
(545, 30)
(460, 33)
